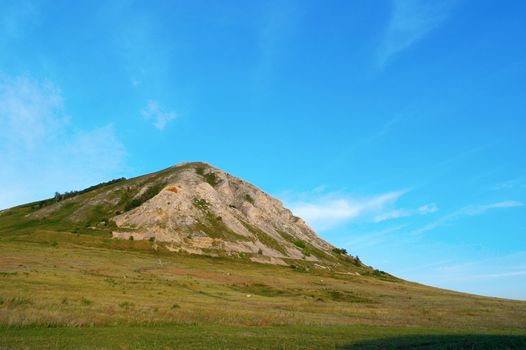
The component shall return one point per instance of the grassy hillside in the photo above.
(64, 288)
(68, 284)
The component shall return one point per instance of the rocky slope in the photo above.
(196, 208)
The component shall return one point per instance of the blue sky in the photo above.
(395, 128)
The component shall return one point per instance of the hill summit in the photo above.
(194, 208)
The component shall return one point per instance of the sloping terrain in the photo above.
(71, 277)
(191, 207)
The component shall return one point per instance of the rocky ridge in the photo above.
(195, 208)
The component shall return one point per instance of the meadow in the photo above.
(64, 289)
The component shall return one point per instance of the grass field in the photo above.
(64, 287)
(253, 337)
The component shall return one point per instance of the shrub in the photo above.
(299, 243)
(85, 301)
(340, 251)
(357, 261)
(126, 305)
(209, 177)
(62, 196)
(249, 198)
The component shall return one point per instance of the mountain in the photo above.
(191, 257)
(193, 208)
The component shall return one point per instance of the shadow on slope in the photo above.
(442, 342)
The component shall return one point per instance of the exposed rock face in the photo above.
(192, 207)
(201, 209)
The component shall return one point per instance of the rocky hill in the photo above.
(195, 208)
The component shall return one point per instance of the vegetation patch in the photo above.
(344, 296)
(382, 275)
(340, 251)
(86, 301)
(17, 301)
(249, 199)
(306, 248)
(209, 177)
(62, 196)
(213, 225)
(265, 238)
(261, 289)
(126, 305)
(300, 244)
(151, 192)
(200, 203)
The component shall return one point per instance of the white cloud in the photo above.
(471, 210)
(411, 20)
(160, 117)
(31, 111)
(326, 211)
(40, 150)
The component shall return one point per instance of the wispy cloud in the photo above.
(160, 117)
(401, 213)
(471, 210)
(411, 20)
(41, 151)
(480, 209)
(362, 240)
(488, 268)
(31, 111)
(510, 184)
(323, 211)
(483, 275)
